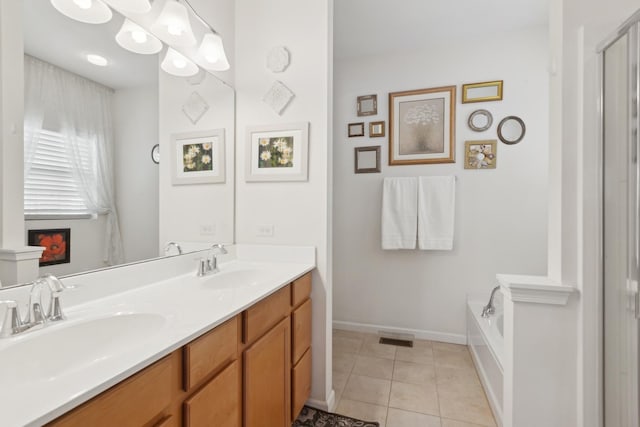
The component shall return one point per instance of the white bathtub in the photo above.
(485, 339)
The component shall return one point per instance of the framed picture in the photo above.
(367, 105)
(198, 157)
(367, 159)
(376, 129)
(277, 152)
(482, 92)
(422, 126)
(56, 243)
(355, 129)
(480, 154)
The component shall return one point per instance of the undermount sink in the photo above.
(233, 279)
(56, 349)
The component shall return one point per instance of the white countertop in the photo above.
(175, 311)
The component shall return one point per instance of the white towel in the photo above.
(436, 212)
(399, 213)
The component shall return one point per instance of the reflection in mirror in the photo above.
(480, 120)
(511, 130)
(89, 130)
(482, 92)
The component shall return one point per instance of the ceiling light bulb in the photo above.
(131, 6)
(134, 38)
(211, 53)
(177, 64)
(173, 26)
(87, 11)
(98, 60)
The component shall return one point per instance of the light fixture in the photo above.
(131, 6)
(177, 64)
(173, 26)
(88, 11)
(98, 60)
(211, 53)
(135, 39)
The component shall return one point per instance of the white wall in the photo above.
(136, 132)
(501, 214)
(299, 211)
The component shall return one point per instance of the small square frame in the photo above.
(53, 253)
(486, 148)
(355, 129)
(377, 129)
(363, 151)
(367, 105)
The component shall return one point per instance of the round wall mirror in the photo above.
(511, 130)
(480, 120)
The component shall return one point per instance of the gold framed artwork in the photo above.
(482, 92)
(376, 129)
(480, 154)
(422, 126)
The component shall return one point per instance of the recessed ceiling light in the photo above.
(98, 60)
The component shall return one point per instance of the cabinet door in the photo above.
(267, 398)
(301, 330)
(301, 384)
(218, 402)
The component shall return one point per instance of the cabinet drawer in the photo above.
(210, 352)
(260, 317)
(300, 289)
(300, 384)
(134, 402)
(301, 330)
(218, 403)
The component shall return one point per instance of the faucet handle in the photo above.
(203, 267)
(12, 323)
(55, 309)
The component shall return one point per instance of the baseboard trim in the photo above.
(418, 333)
(324, 405)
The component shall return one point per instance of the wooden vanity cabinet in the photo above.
(254, 370)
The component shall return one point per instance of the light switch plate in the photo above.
(265, 230)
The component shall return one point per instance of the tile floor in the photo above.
(430, 385)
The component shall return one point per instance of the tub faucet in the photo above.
(489, 309)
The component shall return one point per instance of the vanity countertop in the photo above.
(39, 384)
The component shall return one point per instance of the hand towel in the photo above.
(399, 213)
(436, 212)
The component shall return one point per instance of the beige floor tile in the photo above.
(367, 389)
(400, 418)
(416, 354)
(414, 397)
(343, 362)
(375, 367)
(339, 381)
(347, 344)
(422, 343)
(444, 346)
(348, 334)
(413, 373)
(469, 406)
(372, 347)
(447, 376)
(362, 411)
(454, 423)
(455, 359)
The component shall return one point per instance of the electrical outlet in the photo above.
(207, 230)
(265, 230)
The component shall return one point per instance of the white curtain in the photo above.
(81, 109)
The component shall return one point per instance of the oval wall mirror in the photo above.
(511, 130)
(480, 120)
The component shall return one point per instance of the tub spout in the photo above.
(489, 309)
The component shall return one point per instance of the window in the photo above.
(51, 189)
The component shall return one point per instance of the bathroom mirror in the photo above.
(142, 119)
(482, 92)
(480, 120)
(368, 105)
(511, 130)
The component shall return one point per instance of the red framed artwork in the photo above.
(56, 243)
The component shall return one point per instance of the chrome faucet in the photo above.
(210, 264)
(170, 245)
(489, 309)
(13, 323)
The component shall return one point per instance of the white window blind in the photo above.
(50, 188)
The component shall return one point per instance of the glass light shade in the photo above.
(135, 39)
(132, 6)
(211, 53)
(173, 26)
(87, 11)
(177, 64)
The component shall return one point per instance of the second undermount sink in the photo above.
(235, 278)
(45, 354)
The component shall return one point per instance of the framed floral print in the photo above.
(56, 243)
(422, 126)
(277, 152)
(198, 157)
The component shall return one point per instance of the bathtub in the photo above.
(486, 342)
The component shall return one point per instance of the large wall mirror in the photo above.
(93, 113)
